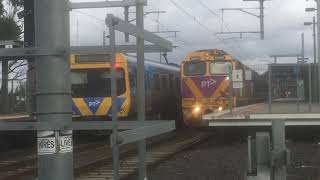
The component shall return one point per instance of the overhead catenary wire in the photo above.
(223, 23)
(202, 25)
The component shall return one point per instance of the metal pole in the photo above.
(249, 154)
(115, 146)
(310, 87)
(53, 94)
(298, 89)
(261, 19)
(104, 38)
(318, 37)
(279, 147)
(230, 89)
(269, 87)
(29, 42)
(141, 87)
(315, 85)
(302, 48)
(126, 18)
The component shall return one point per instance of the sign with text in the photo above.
(66, 144)
(46, 142)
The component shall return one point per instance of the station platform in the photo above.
(293, 113)
(15, 117)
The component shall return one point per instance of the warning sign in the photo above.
(237, 75)
(65, 140)
(46, 142)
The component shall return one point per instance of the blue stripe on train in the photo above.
(119, 103)
(93, 103)
(75, 110)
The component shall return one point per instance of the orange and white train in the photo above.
(212, 81)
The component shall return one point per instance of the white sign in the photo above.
(248, 75)
(8, 46)
(65, 140)
(46, 142)
(66, 144)
(238, 84)
(237, 75)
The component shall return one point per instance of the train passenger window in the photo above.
(132, 81)
(156, 82)
(171, 81)
(164, 82)
(220, 68)
(147, 79)
(194, 68)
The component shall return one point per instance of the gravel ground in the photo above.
(227, 160)
(211, 160)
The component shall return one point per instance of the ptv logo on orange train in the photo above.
(201, 86)
(208, 83)
(94, 103)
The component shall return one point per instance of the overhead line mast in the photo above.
(245, 10)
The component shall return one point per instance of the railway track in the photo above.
(22, 164)
(155, 154)
(96, 158)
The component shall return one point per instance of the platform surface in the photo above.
(259, 115)
(15, 117)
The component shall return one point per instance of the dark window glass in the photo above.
(95, 83)
(164, 82)
(156, 82)
(171, 79)
(194, 68)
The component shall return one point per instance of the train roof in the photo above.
(171, 67)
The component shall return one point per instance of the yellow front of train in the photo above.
(205, 85)
(91, 86)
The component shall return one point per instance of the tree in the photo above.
(10, 30)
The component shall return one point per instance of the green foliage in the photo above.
(9, 29)
(17, 3)
(1, 8)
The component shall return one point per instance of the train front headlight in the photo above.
(122, 111)
(196, 109)
(220, 108)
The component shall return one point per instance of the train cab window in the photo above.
(220, 68)
(156, 82)
(194, 68)
(95, 83)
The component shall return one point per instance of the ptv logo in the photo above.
(207, 83)
(94, 103)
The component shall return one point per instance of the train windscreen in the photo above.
(95, 83)
(194, 68)
(222, 68)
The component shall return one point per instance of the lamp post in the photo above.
(318, 39)
(313, 23)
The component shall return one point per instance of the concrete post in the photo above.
(141, 87)
(53, 94)
(261, 20)
(115, 147)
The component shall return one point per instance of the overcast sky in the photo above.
(283, 27)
